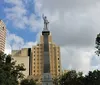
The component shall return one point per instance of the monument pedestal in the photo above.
(47, 79)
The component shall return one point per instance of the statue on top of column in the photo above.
(45, 23)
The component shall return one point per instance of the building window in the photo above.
(58, 58)
(58, 66)
(59, 70)
(34, 70)
(3, 28)
(38, 67)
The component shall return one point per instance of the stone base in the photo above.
(47, 79)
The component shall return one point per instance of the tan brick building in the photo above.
(38, 57)
(2, 36)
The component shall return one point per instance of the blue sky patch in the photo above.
(26, 33)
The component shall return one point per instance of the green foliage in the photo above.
(56, 81)
(93, 78)
(28, 82)
(69, 78)
(97, 42)
(74, 78)
(9, 72)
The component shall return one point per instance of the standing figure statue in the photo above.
(45, 22)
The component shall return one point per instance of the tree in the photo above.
(80, 78)
(69, 78)
(28, 82)
(93, 78)
(10, 73)
(97, 42)
(72, 78)
(56, 81)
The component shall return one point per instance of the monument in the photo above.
(46, 77)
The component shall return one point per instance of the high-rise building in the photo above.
(2, 36)
(38, 59)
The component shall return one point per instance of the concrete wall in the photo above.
(25, 61)
(21, 56)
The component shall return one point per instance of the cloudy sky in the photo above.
(74, 25)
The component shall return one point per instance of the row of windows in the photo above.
(37, 51)
(1, 45)
(42, 62)
(42, 66)
(2, 36)
(38, 55)
(38, 63)
(50, 48)
(41, 70)
(2, 41)
(41, 59)
(38, 59)
(42, 55)
(39, 74)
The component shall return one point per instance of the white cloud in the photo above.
(78, 59)
(29, 44)
(15, 42)
(34, 24)
(66, 5)
(18, 15)
(7, 48)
